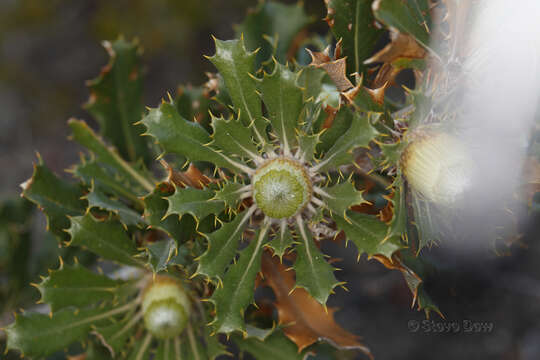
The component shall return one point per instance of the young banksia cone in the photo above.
(166, 308)
(437, 166)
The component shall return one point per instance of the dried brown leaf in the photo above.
(305, 320)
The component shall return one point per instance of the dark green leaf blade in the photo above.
(160, 253)
(340, 197)
(275, 346)
(283, 100)
(233, 138)
(116, 99)
(235, 64)
(128, 216)
(76, 286)
(368, 234)
(359, 134)
(57, 198)
(236, 294)
(195, 202)
(313, 272)
(107, 239)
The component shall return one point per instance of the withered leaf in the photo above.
(304, 319)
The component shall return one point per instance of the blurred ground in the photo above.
(49, 48)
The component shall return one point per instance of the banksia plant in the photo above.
(236, 185)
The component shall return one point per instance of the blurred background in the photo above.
(48, 49)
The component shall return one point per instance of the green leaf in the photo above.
(275, 346)
(116, 99)
(313, 272)
(353, 22)
(426, 220)
(273, 22)
(128, 216)
(233, 138)
(341, 197)
(107, 239)
(141, 349)
(197, 203)
(282, 240)
(57, 198)
(160, 253)
(96, 175)
(359, 134)
(235, 65)
(155, 208)
(35, 334)
(107, 155)
(222, 245)
(410, 17)
(193, 103)
(392, 153)
(236, 294)
(341, 124)
(76, 286)
(307, 145)
(230, 194)
(178, 136)
(283, 100)
(367, 233)
(115, 336)
(165, 350)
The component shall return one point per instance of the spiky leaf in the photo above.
(57, 198)
(222, 245)
(236, 294)
(233, 138)
(359, 134)
(115, 336)
(313, 272)
(141, 348)
(410, 17)
(107, 239)
(155, 208)
(270, 23)
(35, 334)
(76, 286)
(282, 240)
(198, 203)
(367, 233)
(398, 224)
(116, 99)
(108, 155)
(283, 100)
(341, 197)
(128, 216)
(353, 22)
(230, 194)
(160, 253)
(340, 125)
(235, 65)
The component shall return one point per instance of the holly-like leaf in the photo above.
(270, 23)
(222, 245)
(340, 125)
(368, 234)
(128, 216)
(275, 346)
(155, 208)
(412, 17)
(233, 138)
(236, 294)
(160, 253)
(198, 203)
(229, 193)
(353, 22)
(398, 224)
(339, 198)
(116, 99)
(427, 221)
(36, 335)
(283, 100)
(305, 321)
(76, 286)
(108, 155)
(178, 136)
(359, 134)
(57, 198)
(235, 65)
(313, 272)
(107, 239)
(307, 145)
